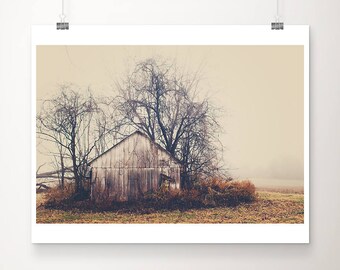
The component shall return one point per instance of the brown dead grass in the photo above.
(270, 207)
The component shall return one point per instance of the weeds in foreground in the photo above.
(206, 194)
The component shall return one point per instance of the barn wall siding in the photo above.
(132, 168)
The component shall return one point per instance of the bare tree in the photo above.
(67, 120)
(108, 128)
(163, 102)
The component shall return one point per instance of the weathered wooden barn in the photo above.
(132, 167)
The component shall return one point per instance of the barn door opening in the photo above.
(166, 182)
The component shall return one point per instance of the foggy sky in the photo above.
(260, 89)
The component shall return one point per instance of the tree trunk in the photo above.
(77, 177)
(185, 180)
(62, 183)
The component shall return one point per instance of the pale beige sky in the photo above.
(259, 87)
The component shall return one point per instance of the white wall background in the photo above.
(16, 251)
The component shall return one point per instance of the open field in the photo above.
(270, 207)
(278, 185)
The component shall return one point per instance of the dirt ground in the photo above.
(270, 207)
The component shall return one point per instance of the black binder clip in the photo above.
(62, 26)
(277, 25)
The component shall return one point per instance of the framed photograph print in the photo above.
(170, 134)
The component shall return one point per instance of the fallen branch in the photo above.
(40, 185)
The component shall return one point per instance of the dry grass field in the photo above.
(270, 207)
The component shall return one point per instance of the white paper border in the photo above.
(171, 233)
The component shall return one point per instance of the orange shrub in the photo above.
(227, 193)
(58, 194)
(209, 193)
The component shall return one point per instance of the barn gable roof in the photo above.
(145, 136)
